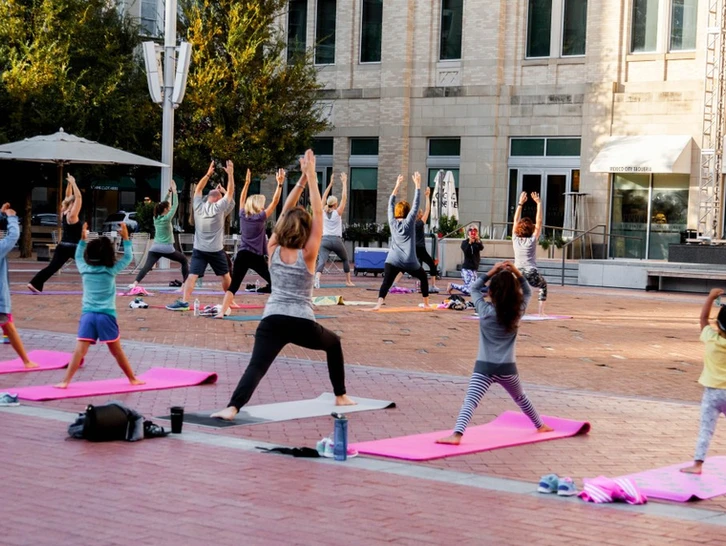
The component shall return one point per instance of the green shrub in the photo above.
(145, 218)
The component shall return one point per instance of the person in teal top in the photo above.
(98, 267)
(163, 246)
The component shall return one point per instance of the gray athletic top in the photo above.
(525, 249)
(292, 288)
(496, 344)
(209, 223)
(403, 236)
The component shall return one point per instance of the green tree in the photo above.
(72, 64)
(244, 101)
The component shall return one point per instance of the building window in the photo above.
(644, 37)
(651, 210)
(452, 12)
(371, 31)
(539, 28)
(444, 156)
(149, 17)
(363, 194)
(364, 146)
(683, 24)
(297, 22)
(549, 147)
(325, 32)
(574, 28)
(323, 146)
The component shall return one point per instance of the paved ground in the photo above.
(627, 362)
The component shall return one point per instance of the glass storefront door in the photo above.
(554, 212)
(551, 184)
(630, 215)
(668, 213)
(528, 183)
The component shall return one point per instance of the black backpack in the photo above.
(106, 423)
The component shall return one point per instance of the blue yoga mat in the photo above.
(251, 318)
(334, 285)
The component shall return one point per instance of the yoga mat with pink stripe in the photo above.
(46, 360)
(668, 483)
(155, 378)
(511, 428)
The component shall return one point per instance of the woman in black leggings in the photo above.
(66, 249)
(288, 316)
(402, 253)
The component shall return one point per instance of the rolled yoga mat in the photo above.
(511, 428)
(156, 379)
(668, 483)
(46, 360)
(286, 411)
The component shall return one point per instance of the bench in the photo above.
(660, 274)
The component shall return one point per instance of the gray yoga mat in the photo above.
(286, 411)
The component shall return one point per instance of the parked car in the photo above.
(113, 221)
(44, 219)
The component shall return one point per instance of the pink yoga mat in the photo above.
(511, 428)
(156, 379)
(669, 484)
(46, 360)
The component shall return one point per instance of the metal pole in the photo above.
(167, 134)
(167, 131)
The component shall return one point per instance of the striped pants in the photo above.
(478, 386)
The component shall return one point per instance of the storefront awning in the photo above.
(124, 183)
(644, 154)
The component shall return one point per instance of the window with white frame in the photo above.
(371, 31)
(648, 31)
(325, 31)
(149, 17)
(452, 14)
(444, 155)
(297, 23)
(363, 163)
(565, 20)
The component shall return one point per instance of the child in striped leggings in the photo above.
(713, 378)
(495, 363)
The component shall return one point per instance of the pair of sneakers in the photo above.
(552, 483)
(138, 303)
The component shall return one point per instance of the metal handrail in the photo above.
(492, 224)
(605, 235)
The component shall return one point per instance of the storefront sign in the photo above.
(631, 169)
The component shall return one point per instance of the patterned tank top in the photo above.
(292, 288)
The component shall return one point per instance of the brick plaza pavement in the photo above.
(611, 365)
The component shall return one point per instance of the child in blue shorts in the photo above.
(98, 267)
(6, 317)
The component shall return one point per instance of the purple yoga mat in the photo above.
(49, 293)
(46, 360)
(511, 428)
(669, 484)
(156, 379)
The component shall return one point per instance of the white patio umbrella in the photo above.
(448, 204)
(62, 148)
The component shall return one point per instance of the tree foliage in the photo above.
(243, 100)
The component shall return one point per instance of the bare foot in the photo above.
(62, 385)
(220, 316)
(449, 288)
(227, 413)
(545, 428)
(135, 381)
(349, 284)
(695, 468)
(454, 439)
(33, 289)
(376, 307)
(344, 401)
(30, 364)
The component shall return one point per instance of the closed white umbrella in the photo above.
(434, 214)
(62, 148)
(452, 205)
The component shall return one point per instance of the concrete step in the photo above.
(551, 270)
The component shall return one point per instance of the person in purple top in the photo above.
(253, 238)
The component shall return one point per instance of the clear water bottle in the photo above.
(257, 285)
(6, 340)
(196, 307)
(340, 437)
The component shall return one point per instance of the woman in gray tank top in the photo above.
(526, 235)
(288, 315)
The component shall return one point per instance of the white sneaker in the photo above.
(316, 284)
(138, 303)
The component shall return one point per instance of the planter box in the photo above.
(449, 254)
(498, 249)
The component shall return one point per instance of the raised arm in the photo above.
(708, 305)
(294, 195)
(280, 178)
(518, 212)
(77, 201)
(173, 203)
(425, 217)
(203, 181)
(128, 252)
(80, 257)
(245, 189)
(413, 213)
(229, 196)
(343, 193)
(392, 200)
(7, 243)
(328, 190)
(538, 220)
(316, 203)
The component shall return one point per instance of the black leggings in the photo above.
(423, 256)
(390, 272)
(63, 252)
(244, 261)
(154, 257)
(276, 331)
